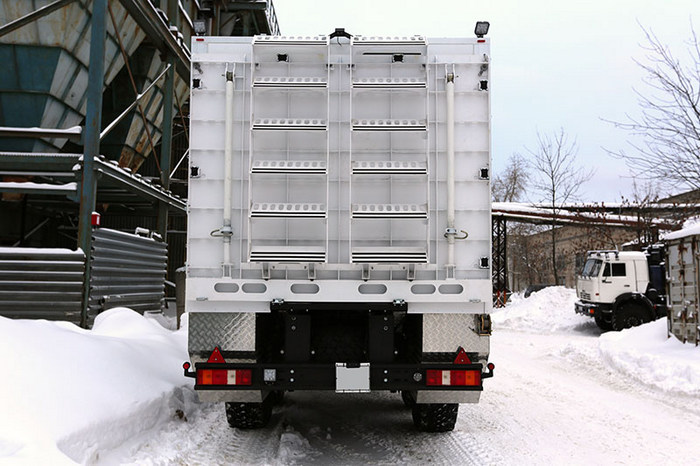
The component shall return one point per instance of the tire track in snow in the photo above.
(311, 428)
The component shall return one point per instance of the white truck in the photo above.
(339, 226)
(622, 289)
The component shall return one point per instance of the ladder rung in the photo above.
(293, 167)
(290, 40)
(289, 124)
(287, 210)
(390, 83)
(389, 254)
(389, 211)
(378, 40)
(290, 82)
(389, 125)
(382, 167)
(287, 254)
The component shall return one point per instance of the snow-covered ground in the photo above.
(562, 393)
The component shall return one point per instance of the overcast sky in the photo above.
(566, 63)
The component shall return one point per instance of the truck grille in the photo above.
(585, 295)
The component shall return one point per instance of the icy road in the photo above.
(561, 394)
(553, 400)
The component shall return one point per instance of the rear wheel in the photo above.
(276, 397)
(629, 314)
(435, 417)
(248, 415)
(409, 398)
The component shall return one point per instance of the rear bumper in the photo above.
(347, 378)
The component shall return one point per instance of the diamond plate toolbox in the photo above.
(234, 331)
(446, 332)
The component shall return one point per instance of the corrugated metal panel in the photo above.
(41, 283)
(683, 288)
(127, 270)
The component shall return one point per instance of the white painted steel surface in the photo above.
(339, 171)
(683, 287)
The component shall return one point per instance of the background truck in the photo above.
(622, 289)
(339, 231)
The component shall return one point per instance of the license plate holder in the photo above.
(352, 378)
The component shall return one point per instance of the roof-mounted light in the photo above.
(482, 28)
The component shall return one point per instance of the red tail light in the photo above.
(452, 378)
(244, 377)
(224, 377)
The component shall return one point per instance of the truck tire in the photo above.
(275, 398)
(248, 415)
(435, 417)
(602, 323)
(409, 398)
(629, 314)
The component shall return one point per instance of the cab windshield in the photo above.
(591, 268)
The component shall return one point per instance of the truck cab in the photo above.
(619, 290)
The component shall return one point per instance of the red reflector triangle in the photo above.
(216, 356)
(462, 357)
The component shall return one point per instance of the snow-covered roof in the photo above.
(685, 232)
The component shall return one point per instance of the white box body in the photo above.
(338, 179)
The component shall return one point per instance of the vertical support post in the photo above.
(91, 141)
(166, 141)
(226, 230)
(246, 23)
(450, 128)
(500, 261)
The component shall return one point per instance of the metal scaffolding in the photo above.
(73, 185)
(499, 273)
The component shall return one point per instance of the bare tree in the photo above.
(510, 185)
(669, 124)
(557, 178)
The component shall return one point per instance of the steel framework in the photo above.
(89, 179)
(499, 259)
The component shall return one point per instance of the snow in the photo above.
(688, 231)
(44, 251)
(548, 310)
(72, 131)
(75, 393)
(645, 354)
(562, 393)
(68, 187)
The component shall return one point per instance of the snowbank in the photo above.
(69, 393)
(646, 354)
(548, 310)
(643, 353)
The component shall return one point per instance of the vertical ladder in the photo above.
(389, 152)
(288, 179)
